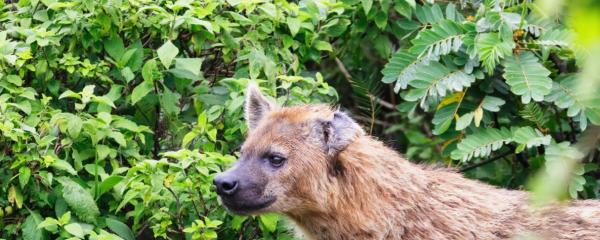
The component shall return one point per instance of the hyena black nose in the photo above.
(226, 184)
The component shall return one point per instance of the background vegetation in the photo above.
(115, 115)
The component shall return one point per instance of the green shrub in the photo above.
(101, 100)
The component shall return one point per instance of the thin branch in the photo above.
(486, 161)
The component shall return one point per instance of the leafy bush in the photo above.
(101, 100)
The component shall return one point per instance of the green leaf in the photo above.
(563, 163)
(531, 137)
(191, 64)
(322, 46)
(270, 221)
(229, 41)
(118, 137)
(269, 9)
(114, 47)
(481, 144)
(109, 183)
(440, 40)
(382, 44)
(24, 174)
(14, 79)
(24, 105)
(166, 53)
(436, 79)
(15, 196)
(491, 49)
(527, 77)
(189, 137)
(367, 4)
(74, 126)
(401, 69)
(120, 229)
(148, 69)
(140, 92)
(579, 101)
(381, 19)
(75, 229)
(102, 151)
(131, 194)
(534, 115)
(257, 60)
(80, 200)
(168, 101)
(464, 121)
(30, 227)
(64, 165)
(492, 104)
(294, 25)
(404, 8)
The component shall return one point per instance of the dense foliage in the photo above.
(116, 115)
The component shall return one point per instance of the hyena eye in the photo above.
(276, 161)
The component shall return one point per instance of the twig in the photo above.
(142, 229)
(561, 67)
(486, 161)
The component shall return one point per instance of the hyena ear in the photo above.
(256, 106)
(337, 133)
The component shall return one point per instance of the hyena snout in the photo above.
(226, 184)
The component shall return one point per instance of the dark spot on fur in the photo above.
(336, 168)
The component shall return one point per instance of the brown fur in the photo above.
(368, 191)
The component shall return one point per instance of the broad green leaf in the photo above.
(109, 183)
(74, 126)
(166, 53)
(188, 138)
(102, 151)
(367, 4)
(80, 200)
(169, 101)
(464, 121)
(148, 69)
(120, 229)
(118, 137)
(114, 47)
(75, 229)
(294, 25)
(24, 174)
(140, 92)
(15, 196)
(64, 165)
(131, 194)
(270, 221)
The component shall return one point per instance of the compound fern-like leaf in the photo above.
(402, 68)
(482, 144)
(562, 162)
(582, 102)
(527, 77)
(439, 40)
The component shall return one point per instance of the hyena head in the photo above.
(288, 158)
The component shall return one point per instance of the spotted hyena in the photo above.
(316, 166)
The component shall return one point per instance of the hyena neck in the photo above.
(357, 200)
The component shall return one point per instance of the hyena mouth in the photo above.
(244, 207)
